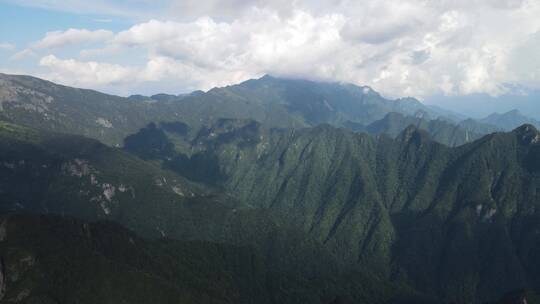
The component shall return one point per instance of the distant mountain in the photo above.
(158, 97)
(313, 103)
(274, 102)
(440, 130)
(475, 126)
(510, 120)
(479, 105)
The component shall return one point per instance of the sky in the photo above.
(420, 48)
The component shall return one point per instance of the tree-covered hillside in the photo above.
(47, 173)
(440, 130)
(443, 219)
(267, 183)
(274, 102)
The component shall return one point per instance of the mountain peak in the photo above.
(266, 77)
(528, 134)
(510, 120)
(513, 112)
(413, 133)
(526, 128)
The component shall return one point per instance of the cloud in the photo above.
(103, 20)
(262, 40)
(23, 54)
(525, 60)
(376, 34)
(86, 73)
(111, 49)
(121, 79)
(405, 47)
(69, 37)
(419, 57)
(7, 46)
(183, 10)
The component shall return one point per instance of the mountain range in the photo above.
(270, 191)
(480, 105)
(509, 120)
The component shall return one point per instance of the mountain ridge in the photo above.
(432, 180)
(272, 101)
(510, 120)
(311, 199)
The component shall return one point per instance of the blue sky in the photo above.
(429, 50)
(20, 25)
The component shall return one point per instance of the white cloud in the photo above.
(412, 47)
(121, 79)
(7, 46)
(185, 10)
(91, 73)
(60, 39)
(23, 54)
(100, 20)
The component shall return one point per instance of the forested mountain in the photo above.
(274, 102)
(260, 193)
(363, 197)
(440, 130)
(509, 120)
(478, 127)
(73, 176)
(51, 259)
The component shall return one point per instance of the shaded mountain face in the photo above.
(51, 259)
(456, 224)
(67, 175)
(509, 120)
(442, 219)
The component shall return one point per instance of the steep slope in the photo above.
(475, 126)
(314, 103)
(510, 120)
(458, 223)
(48, 173)
(274, 102)
(72, 175)
(66, 174)
(50, 259)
